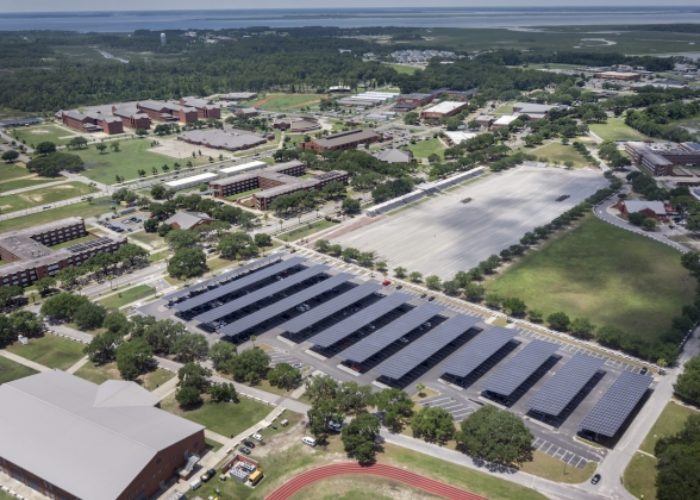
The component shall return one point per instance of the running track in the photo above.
(394, 473)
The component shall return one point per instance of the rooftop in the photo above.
(445, 107)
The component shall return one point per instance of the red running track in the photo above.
(291, 487)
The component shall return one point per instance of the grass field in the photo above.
(551, 468)
(640, 476)
(670, 422)
(83, 209)
(306, 230)
(28, 182)
(98, 373)
(133, 155)
(227, 419)
(127, 296)
(560, 154)
(150, 239)
(616, 130)
(349, 488)
(43, 195)
(286, 102)
(10, 171)
(42, 133)
(504, 109)
(51, 351)
(424, 149)
(10, 370)
(404, 69)
(608, 275)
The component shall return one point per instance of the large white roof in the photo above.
(243, 167)
(89, 440)
(446, 107)
(193, 179)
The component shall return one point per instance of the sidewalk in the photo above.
(24, 361)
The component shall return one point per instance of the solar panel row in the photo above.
(259, 294)
(387, 335)
(351, 324)
(556, 394)
(616, 405)
(281, 306)
(477, 351)
(508, 377)
(407, 359)
(238, 284)
(327, 309)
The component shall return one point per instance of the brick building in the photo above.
(68, 438)
(205, 109)
(660, 159)
(263, 178)
(91, 122)
(342, 141)
(161, 111)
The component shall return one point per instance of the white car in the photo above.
(257, 437)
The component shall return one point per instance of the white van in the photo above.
(195, 483)
(309, 441)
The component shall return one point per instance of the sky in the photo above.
(92, 5)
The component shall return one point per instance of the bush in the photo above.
(558, 321)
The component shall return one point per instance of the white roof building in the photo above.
(190, 181)
(243, 167)
(458, 137)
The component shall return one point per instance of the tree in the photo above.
(26, 323)
(8, 335)
(322, 246)
(353, 398)
(89, 316)
(397, 407)
(351, 206)
(432, 282)
(687, 387)
(474, 292)
(514, 307)
(411, 118)
(101, 147)
(158, 191)
(189, 347)
(677, 459)
(495, 436)
(52, 164)
(559, 321)
(150, 225)
(63, 306)
(238, 245)
(182, 238)
(102, 348)
(115, 146)
(582, 328)
(188, 397)
(223, 392)
(433, 424)
(321, 388)
(415, 277)
(284, 376)
(262, 240)
(8, 294)
(193, 375)
(359, 438)
(249, 366)
(400, 272)
(134, 357)
(221, 353)
(77, 142)
(10, 156)
(45, 148)
(187, 263)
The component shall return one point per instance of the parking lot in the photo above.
(456, 229)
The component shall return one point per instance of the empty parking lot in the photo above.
(455, 230)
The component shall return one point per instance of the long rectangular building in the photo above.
(342, 141)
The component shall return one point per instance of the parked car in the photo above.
(595, 479)
(249, 443)
(244, 450)
(208, 475)
(257, 437)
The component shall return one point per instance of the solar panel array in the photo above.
(507, 378)
(556, 394)
(259, 294)
(390, 333)
(277, 308)
(328, 309)
(238, 284)
(616, 405)
(92, 244)
(477, 351)
(407, 359)
(351, 324)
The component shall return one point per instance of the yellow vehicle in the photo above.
(256, 476)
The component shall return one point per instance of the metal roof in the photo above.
(401, 363)
(556, 394)
(611, 411)
(390, 333)
(321, 312)
(507, 378)
(477, 351)
(362, 318)
(259, 294)
(237, 284)
(277, 308)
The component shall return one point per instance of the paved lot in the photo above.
(443, 235)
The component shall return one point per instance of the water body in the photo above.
(348, 18)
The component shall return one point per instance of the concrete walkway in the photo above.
(78, 365)
(24, 361)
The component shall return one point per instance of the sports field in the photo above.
(559, 154)
(286, 102)
(616, 130)
(606, 274)
(443, 235)
(41, 196)
(42, 133)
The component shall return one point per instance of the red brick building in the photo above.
(92, 122)
(162, 111)
(342, 141)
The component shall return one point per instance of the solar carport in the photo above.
(562, 391)
(275, 309)
(374, 343)
(397, 368)
(327, 309)
(468, 362)
(610, 413)
(260, 294)
(340, 331)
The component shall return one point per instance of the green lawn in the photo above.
(83, 209)
(306, 230)
(51, 351)
(286, 102)
(558, 153)
(11, 171)
(10, 370)
(227, 419)
(44, 195)
(608, 275)
(127, 296)
(41, 133)
(151, 239)
(133, 155)
(404, 69)
(158, 256)
(616, 130)
(424, 149)
(640, 476)
(670, 422)
(99, 373)
(156, 378)
(26, 183)
(546, 466)
(504, 109)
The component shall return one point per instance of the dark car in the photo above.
(208, 475)
(249, 443)
(244, 450)
(595, 479)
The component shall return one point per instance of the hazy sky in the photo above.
(87, 5)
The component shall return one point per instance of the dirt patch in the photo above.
(183, 151)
